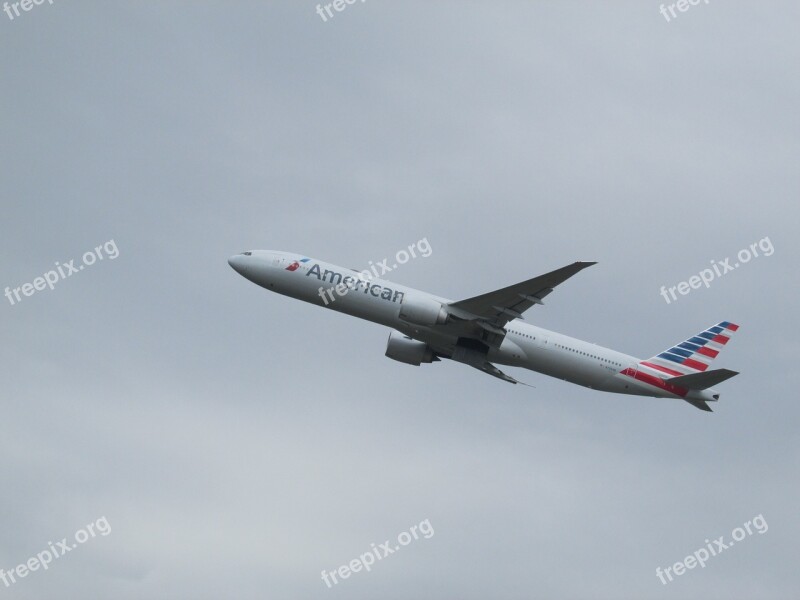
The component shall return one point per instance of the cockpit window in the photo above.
(247, 253)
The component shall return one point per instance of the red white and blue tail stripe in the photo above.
(692, 356)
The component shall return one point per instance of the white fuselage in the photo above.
(379, 301)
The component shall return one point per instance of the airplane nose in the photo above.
(237, 262)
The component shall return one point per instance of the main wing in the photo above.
(478, 323)
(495, 309)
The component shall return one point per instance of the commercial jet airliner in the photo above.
(488, 329)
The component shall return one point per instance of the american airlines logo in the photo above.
(296, 265)
(346, 283)
(342, 284)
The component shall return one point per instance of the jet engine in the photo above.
(421, 310)
(406, 350)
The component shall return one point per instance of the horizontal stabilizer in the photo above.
(701, 404)
(702, 381)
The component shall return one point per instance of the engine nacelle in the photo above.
(421, 310)
(406, 350)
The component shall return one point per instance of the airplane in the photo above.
(488, 329)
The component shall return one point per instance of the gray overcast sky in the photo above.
(239, 442)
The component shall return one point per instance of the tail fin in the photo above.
(694, 355)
